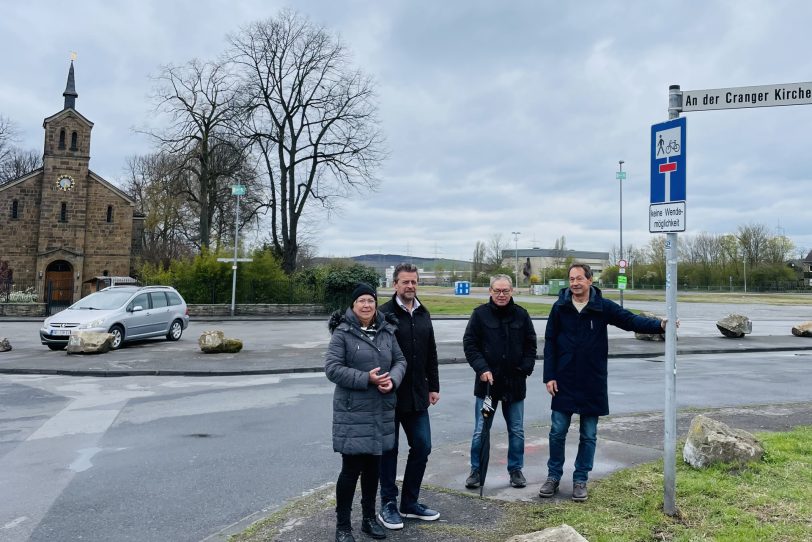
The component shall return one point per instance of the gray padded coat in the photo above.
(363, 417)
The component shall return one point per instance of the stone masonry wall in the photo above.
(18, 237)
(257, 310)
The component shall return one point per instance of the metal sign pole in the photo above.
(234, 265)
(670, 434)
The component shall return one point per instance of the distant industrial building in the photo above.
(536, 260)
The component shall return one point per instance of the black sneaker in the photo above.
(344, 536)
(548, 488)
(371, 527)
(472, 482)
(419, 511)
(517, 479)
(390, 517)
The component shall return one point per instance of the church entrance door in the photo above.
(58, 286)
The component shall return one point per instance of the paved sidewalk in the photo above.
(624, 441)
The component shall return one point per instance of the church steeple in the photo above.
(70, 93)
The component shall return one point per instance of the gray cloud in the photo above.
(499, 116)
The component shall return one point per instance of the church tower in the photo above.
(64, 185)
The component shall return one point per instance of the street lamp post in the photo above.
(516, 235)
(620, 176)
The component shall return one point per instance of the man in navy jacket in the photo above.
(576, 350)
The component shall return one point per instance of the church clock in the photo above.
(65, 183)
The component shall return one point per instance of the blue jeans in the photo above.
(513, 413)
(586, 445)
(417, 428)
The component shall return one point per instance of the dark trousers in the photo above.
(417, 428)
(366, 466)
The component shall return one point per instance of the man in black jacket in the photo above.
(500, 345)
(419, 389)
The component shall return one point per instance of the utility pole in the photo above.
(516, 235)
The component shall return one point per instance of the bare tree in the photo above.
(496, 246)
(7, 135)
(311, 118)
(153, 182)
(198, 97)
(753, 239)
(17, 163)
(478, 259)
(779, 250)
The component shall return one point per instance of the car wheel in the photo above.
(57, 346)
(175, 331)
(118, 336)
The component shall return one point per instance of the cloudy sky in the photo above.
(499, 116)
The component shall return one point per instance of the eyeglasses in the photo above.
(505, 291)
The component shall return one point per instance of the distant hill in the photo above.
(381, 262)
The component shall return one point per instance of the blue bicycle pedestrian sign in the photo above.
(667, 209)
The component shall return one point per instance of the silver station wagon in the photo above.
(128, 312)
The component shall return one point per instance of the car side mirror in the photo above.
(137, 308)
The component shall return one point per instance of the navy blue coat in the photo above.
(576, 350)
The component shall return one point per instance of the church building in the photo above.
(62, 225)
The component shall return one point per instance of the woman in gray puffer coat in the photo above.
(366, 365)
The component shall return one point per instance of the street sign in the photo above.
(620, 175)
(621, 263)
(740, 97)
(237, 189)
(621, 282)
(668, 183)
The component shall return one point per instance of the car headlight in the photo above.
(94, 323)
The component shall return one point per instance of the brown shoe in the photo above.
(548, 488)
(579, 492)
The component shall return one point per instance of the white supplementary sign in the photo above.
(666, 217)
(739, 97)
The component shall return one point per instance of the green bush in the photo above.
(341, 280)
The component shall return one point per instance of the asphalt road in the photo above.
(186, 458)
(156, 458)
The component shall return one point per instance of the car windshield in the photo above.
(102, 301)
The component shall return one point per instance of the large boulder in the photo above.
(804, 329)
(735, 326)
(562, 533)
(89, 342)
(215, 342)
(710, 441)
(649, 336)
(5, 345)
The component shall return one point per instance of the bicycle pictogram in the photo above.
(662, 148)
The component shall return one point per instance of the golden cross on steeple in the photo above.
(72, 56)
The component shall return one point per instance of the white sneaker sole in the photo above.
(424, 518)
(390, 526)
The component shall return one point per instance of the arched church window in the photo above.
(62, 138)
(109, 213)
(15, 209)
(63, 212)
(74, 141)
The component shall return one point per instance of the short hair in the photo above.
(496, 278)
(404, 268)
(585, 267)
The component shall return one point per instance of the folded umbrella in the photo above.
(485, 448)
